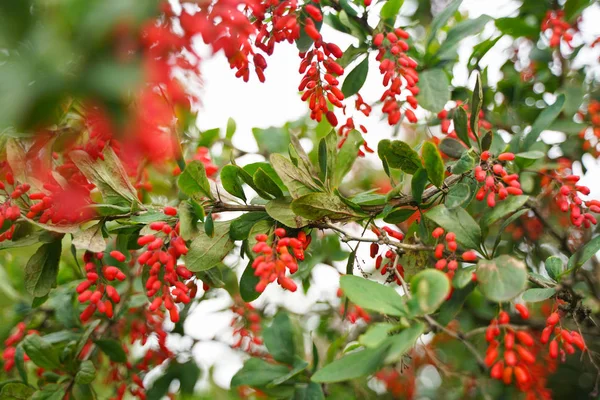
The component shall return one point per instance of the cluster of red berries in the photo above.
(104, 296)
(497, 182)
(354, 313)
(320, 86)
(564, 341)
(560, 29)
(284, 26)
(518, 355)
(399, 73)
(568, 199)
(446, 122)
(276, 259)
(385, 262)
(445, 253)
(8, 355)
(163, 249)
(8, 210)
(246, 328)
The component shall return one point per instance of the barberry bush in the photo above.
(437, 236)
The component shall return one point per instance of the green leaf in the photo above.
(399, 155)
(501, 279)
(108, 175)
(460, 125)
(16, 391)
(430, 289)
(376, 334)
(463, 277)
(231, 181)
(353, 365)
(281, 211)
(298, 182)
(86, 373)
(316, 206)
(458, 195)
(538, 294)
(20, 362)
(208, 137)
(399, 215)
(506, 223)
(401, 343)
(42, 269)
(231, 127)
(258, 372)
(543, 121)
(584, 253)
(433, 163)
(346, 157)
(476, 104)
(390, 9)
(248, 283)
(50, 392)
(356, 78)
(468, 27)
(418, 183)
(434, 90)
(310, 391)
(273, 139)
(465, 164)
(193, 180)
(188, 221)
(41, 352)
(486, 140)
(90, 239)
(205, 252)
(459, 221)
(452, 148)
(279, 339)
(298, 366)
(503, 209)
(209, 226)
(264, 181)
(441, 19)
(554, 266)
(528, 158)
(112, 349)
(241, 226)
(372, 295)
(517, 27)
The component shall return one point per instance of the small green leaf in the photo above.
(310, 391)
(503, 209)
(188, 222)
(241, 226)
(402, 342)
(538, 294)
(352, 365)
(418, 183)
(231, 127)
(390, 9)
(429, 288)
(42, 269)
(112, 349)
(346, 157)
(584, 253)
(554, 266)
(434, 90)
(16, 391)
(441, 19)
(248, 283)
(399, 215)
(501, 279)
(205, 252)
(193, 180)
(86, 373)
(372, 295)
(543, 121)
(433, 163)
(376, 334)
(209, 225)
(463, 277)
(297, 181)
(460, 222)
(452, 148)
(465, 164)
(279, 339)
(231, 181)
(41, 352)
(460, 125)
(316, 206)
(264, 182)
(476, 104)
(258, 372)
(458, 195)
(517, 27)
(356, 78)
(468, 27)
(399, 155)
